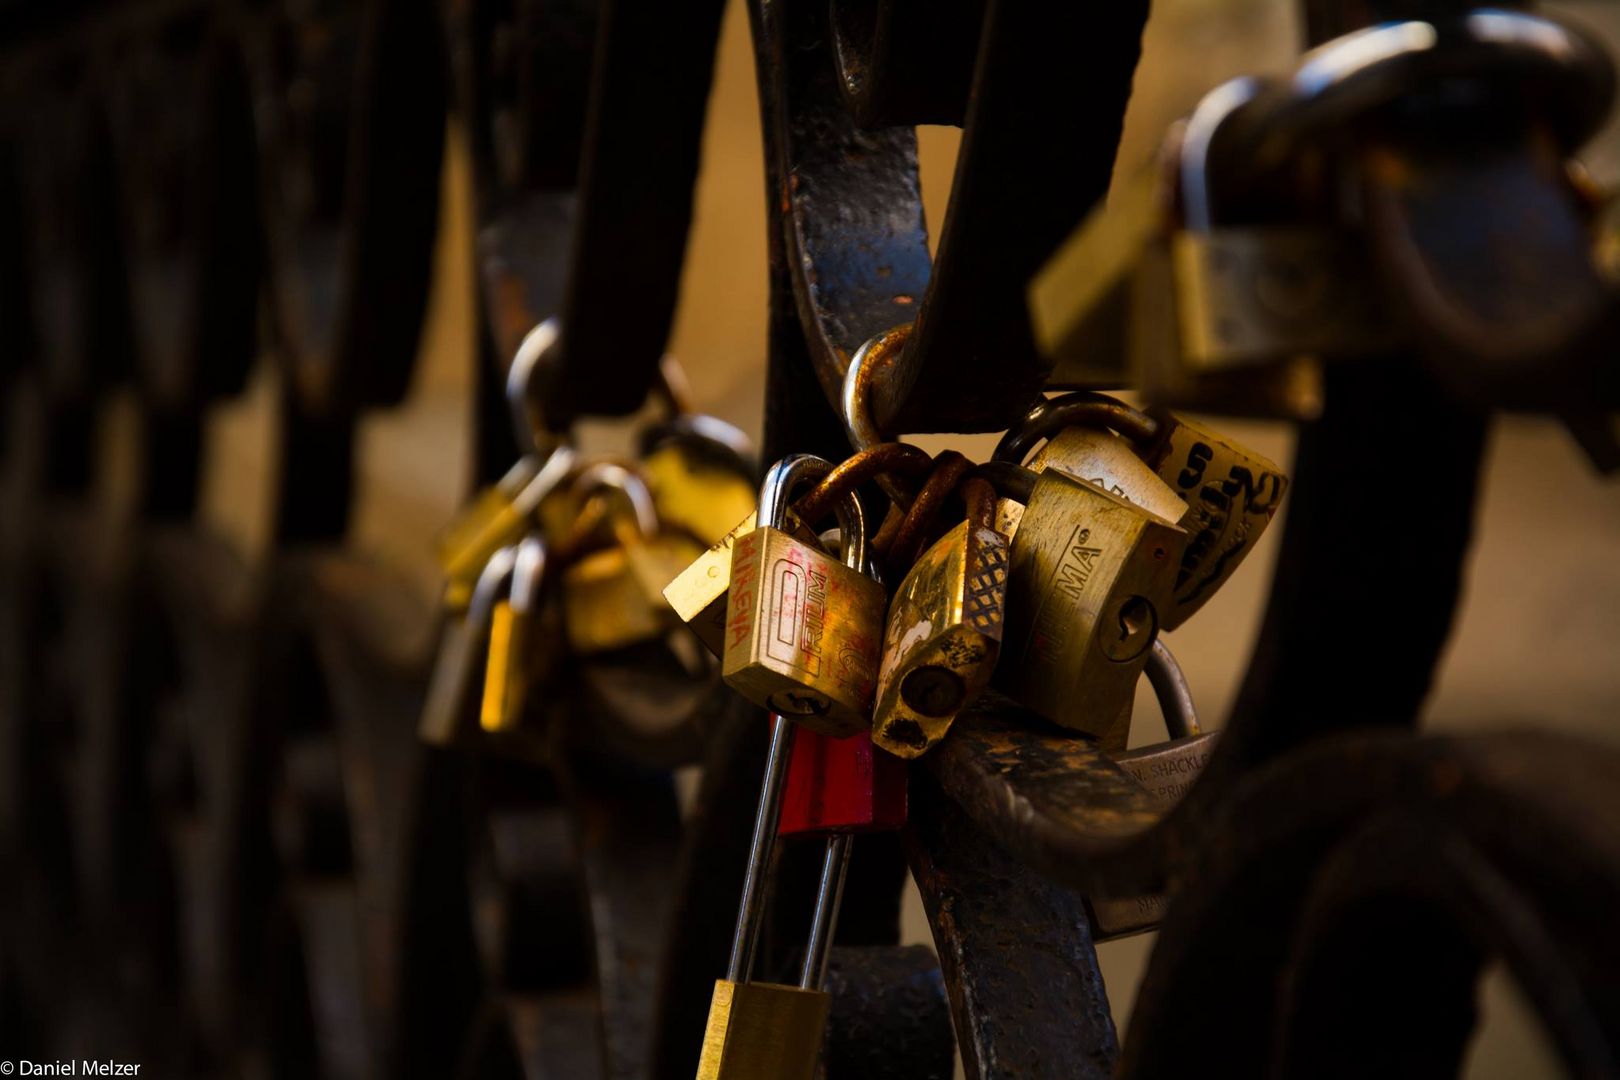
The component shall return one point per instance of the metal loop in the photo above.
(1175, 696)
(949, 468)
(874, 462)
(856, 399)
(611, 475)
(1196, 138)
(796, 470)
(527, 425)
(1081, 408)
(495, 577)
(528, 573)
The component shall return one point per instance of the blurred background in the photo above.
(1535, 644)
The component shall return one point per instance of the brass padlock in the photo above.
(1221, 492)
(613, 598)
(804, 632)
(701, 473)
(1089, 575)
(698, 593)
(1232, 493)
(512, 633)
(943, 633)
(497, 517)
(447, 709)
(768, 1031)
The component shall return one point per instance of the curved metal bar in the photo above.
(850, 211)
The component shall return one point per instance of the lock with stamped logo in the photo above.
(1089, 574)
(803, 630)
(944, 630)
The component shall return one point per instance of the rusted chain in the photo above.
(885, 459)
(949, 468)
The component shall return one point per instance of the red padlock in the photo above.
(841, 786)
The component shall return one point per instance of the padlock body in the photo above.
(841, 786)
(613, 598)
(1102, 458)
(1167, 771)
(803, 633)
(762, 1031)
(698, 593)
(942, 638)
(1089, 574)
(1231, 492)
(503, 668)
(704, 499)
(492, 520)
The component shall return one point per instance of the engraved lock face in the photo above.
(1102, 458)
(802, 632)
(1232, 494)
(1089, 574)
(942, 638)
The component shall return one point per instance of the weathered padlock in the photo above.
(698, 593)
(767, 1031)
(498, 516)
(1232, 493)
(944, 631)
(447, 709)
(1088, 578)
(1167, 771)
(1221, 492)
(803, 630)
(612, 598)
(701, 474)
(512, 628)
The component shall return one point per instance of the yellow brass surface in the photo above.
(1089, 574)
(803, 633)
(1247, 297)
(1079, 301)
(1232, 494)
(942, 638)
(503, 670)
(485, 525)
(762, 1031)
(704, 500)
(698, 593)
(613, 598)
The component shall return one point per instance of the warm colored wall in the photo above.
(1541, 615)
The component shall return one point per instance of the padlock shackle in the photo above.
(528, 573)
(1175, 698)
(1082, 408)
(824, 922)
(796, 470)
(855, 396)
(761, 846)
(1011, 481)
(1197, 135)
(610, 475)
(528, 427)
(495, 576)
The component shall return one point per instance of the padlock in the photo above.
(944, 631)
(512, 632)
(612, 598)
(497, 517)
(1167, 771)
(701, 473)
(1231, 493)
(1089, 574)
(447, 708)
(803, 630)
(768, 1031)
(698, 593)
(1222, 493)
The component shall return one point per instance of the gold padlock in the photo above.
(701, 473)
(612, 598)
(1089, 575)
(497, 517)
(1232, 493)
(1221, 492)
(944, 631)
(804, 632)
(507, 673)
(767, 1031)
(447, 709)
(698, 593)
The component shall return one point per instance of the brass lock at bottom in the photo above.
(763, 1031)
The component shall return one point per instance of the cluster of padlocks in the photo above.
(1044, 576)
